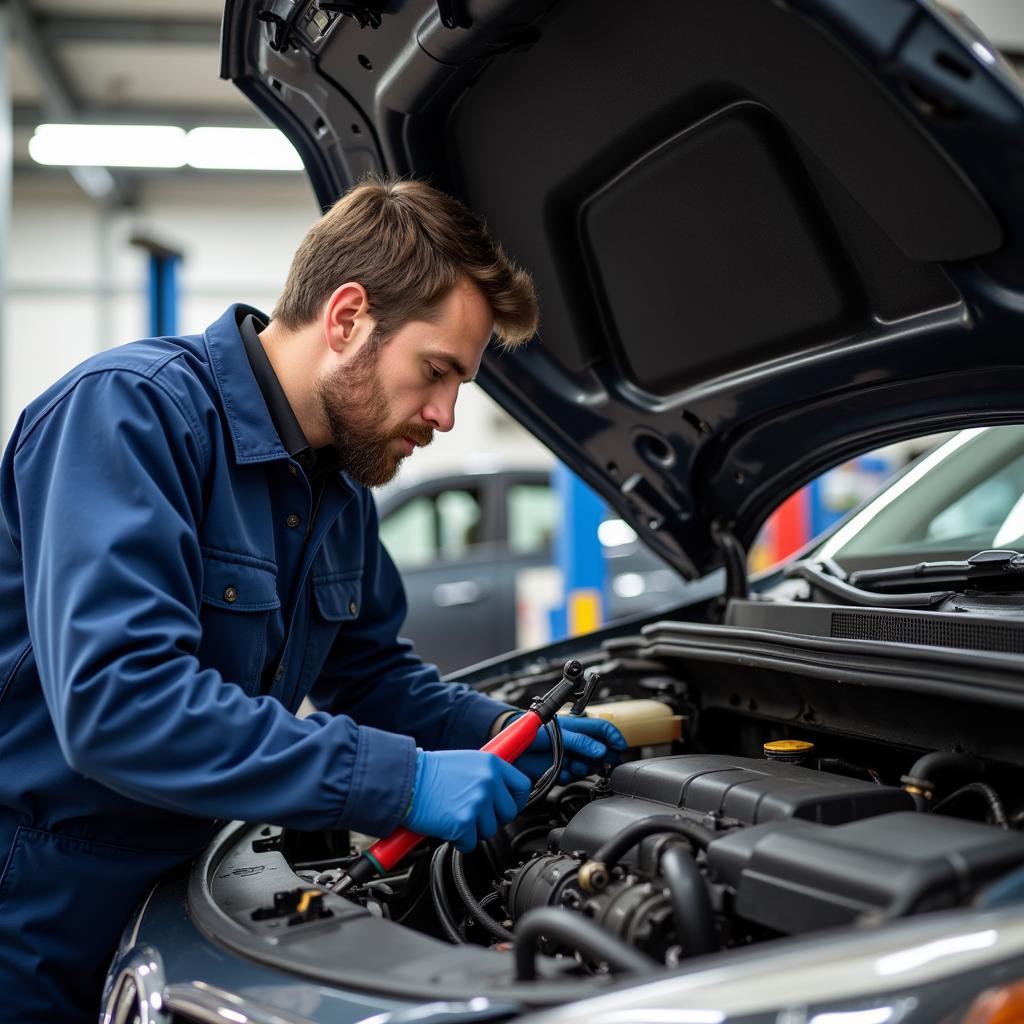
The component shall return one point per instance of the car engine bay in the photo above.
(766, 793)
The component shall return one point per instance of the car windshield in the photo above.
(963, 497)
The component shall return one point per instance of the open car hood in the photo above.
(766, 236)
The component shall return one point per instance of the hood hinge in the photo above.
(369, 13)
(734, 556)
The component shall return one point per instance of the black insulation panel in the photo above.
(741, 222)
(731, 260)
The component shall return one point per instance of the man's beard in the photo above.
(353, 403)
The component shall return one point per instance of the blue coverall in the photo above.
(165, 605)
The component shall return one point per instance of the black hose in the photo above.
(526, 835)
(996, 815)
(691, 905)
(491, 897)
(735, 559)
(942, 769)
(440, 899)
(546, 782)
(471, 904)
(580, 933)
(837, 763)
(578, 787)
(611, 851)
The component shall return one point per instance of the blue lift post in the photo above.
(163, 286)
(579, 555)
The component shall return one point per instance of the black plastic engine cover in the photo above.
(751, 791)
(798, 876)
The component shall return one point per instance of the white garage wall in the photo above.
(78, 286)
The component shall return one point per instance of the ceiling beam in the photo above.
(60, 28)
(59, 100)
(26, 116)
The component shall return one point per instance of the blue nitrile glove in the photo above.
(588, 742)
(464, 795)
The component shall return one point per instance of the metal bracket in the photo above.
(281, 24)
(591, 679)
(367, 12)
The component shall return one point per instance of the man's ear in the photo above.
(346, 317)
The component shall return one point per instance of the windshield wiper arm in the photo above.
(987, 570)
(850, 594)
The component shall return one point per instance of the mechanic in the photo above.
(190, 548)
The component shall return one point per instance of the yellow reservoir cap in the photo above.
(788, 747)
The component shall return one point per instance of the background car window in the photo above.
(433, 527)
(409, 533)
(459, 518)
(532, 517)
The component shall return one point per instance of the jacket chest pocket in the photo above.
(337, 601)
(240, 617)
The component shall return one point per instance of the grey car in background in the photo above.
(469, 547)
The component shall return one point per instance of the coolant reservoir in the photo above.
(644, 723)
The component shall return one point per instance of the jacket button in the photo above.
(231, 594)
(293, 520)
(352, 607)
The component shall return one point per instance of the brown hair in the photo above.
(408, 245)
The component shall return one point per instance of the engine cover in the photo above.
(796, 876)
(750, 791)
(735, 791)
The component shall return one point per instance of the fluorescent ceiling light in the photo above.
(241, 149)
(613, 533)
(108, 145)
(120, 145)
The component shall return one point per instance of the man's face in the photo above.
(390, 397)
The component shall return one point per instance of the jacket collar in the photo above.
(248, 419)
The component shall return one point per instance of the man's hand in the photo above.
(464, 795)
(589, 743)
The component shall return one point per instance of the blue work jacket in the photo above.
(167, 598)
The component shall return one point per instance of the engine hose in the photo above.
(942, 769)
(528, 834)
(997, 814)
(691, 905)
(825, 763)
(547, 781)
(491, 897)
(576, 931)
(440, 899)
(476, 911)
(611, 851)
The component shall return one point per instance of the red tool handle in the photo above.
(508, 745)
